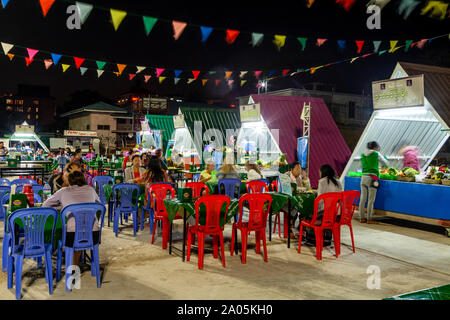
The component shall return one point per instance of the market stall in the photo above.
(75, 139)
(281, 118)
(411, 108)
(25, 143)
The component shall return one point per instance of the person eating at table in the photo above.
(77, 191)
(206, 175)
(299, 176)
(253, 172)
(327, 183)
(135, 173)
(60, 180)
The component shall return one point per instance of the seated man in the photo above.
(299, 176)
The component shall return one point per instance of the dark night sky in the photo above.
(22, 23)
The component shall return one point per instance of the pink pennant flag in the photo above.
(159, 71)
(48, 63)
(320, 42)
(230, 82)
(257, 74)
(178, 28)
(132, 76)
(366, 55)
(146, 78)
(32, 53)
(195, 73)
(421, 43)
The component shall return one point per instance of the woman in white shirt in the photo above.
(327, 183)
(135, 173)
(253, 172)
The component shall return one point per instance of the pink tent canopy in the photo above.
(327, 144)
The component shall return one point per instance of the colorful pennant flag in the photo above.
(116, 73)
(204, 81)
(6, 47)
(376, 45)
(421, 43)
(228, 74)
(100, 64)
(65, 67)
(178, 28)
(131, 75)
(117, 17)
(212, 72)
(353, 59)
(190, 80)
(313, 70)
(438, 9)
(257, 74)
(140, 69)
(364, 56)
(279, 41)
(393, 46)
(4, 3)
(257, 39)
(243, 82)
(149, 23)
(271, 72)
(46, 5)
(11, 56)
(177, 73)
(309, 3)
(347, 4)
(285, 72)
(243, 73)
(99, 73)
(32, 53)
(28, 61)
(161, 79)
(381, 52)
(231, 36)
(146, 78)
(48, 63)
(230, 83)
(320, 42)
(359, 45)
(176, 80)
(83, 70)
(302, 42)
(217, 82)
(120, 67)
(78, 61)
(84, 10)
(408, 44)
(195, 73)
(341, 44)
(206, 32)
(406, 7)
(159, 71)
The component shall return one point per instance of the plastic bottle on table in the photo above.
(46, 192)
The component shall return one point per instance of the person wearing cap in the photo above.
(370, 160)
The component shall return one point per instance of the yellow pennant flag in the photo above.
(65, 67)
(117, 17)
(243, 82)
(204, 81)
(228, 74)
(393, 44)
(161, 79)
(11, 56)
(279, 41)
(121, 67)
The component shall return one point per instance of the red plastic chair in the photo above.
(197, 188)
(256, 186)
(158, 192)
(349, 202)
(213, 204)
(331, 202)
(257, 222)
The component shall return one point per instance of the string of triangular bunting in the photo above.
(434, 9)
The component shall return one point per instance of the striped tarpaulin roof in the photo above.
(327, 144)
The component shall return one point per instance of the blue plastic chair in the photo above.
(35, 187)
(84, 215)
(196, 177)
(5, 182)
(6, 236)
(99, 182)
(21, 182)
(123, 204)
(33, 245)
(3, 191)
(230, 186)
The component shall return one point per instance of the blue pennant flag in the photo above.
(4, 3)
(341, 44)
(55, 58)
(206, 31)
(177, 73)
(271, 73)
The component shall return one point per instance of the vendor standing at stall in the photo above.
(370, 175)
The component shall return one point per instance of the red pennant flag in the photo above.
(178, 28)
(285, 72)
(321, 42)
(217, 82)
(46, 5)
(132, 76)
(231, 36)
(195, 73)
(347, 4)
(28, 61)
(146, 78)
(78, 62)
(257, 74)
(359, 44)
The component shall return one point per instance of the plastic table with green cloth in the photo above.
(187, 209)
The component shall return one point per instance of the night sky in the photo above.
(22, 23)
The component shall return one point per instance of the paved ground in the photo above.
(409, 260)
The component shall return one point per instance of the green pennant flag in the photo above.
(302, 42)
(408, 44)
(149, 23)
(212, 72)
(381, 52)
(100, 64)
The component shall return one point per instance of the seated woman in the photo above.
(77, 192)
(135, 173)
(206, 175)
(59, 180)
(253, 172)
(227, 171)
(327, 183)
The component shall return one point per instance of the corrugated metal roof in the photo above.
(436, 85)
(217, 118)
(327, 144)
(99, 106)
(164, 123)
